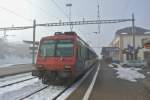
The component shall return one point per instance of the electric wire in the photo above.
(16, 14)
(39, 7)
(60, 9)
(126, 7)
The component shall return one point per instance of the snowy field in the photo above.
(130, 73)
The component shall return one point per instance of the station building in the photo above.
(144, 53)
(124, 41)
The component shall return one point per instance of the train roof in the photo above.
(60, 35)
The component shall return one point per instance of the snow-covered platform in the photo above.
(15, 69)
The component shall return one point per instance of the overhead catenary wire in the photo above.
(126, 7)
(60, 9)
(16, 14)
(68, 23)
(39, 7)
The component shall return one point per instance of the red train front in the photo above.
(57, 57)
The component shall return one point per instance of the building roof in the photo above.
(128, 31)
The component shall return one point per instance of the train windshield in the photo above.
(63, 48)
(47, 48)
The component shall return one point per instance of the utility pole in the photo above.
(33, 53)
(133, 36)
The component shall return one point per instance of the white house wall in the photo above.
(122, 41)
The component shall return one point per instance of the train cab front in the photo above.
(56, 58)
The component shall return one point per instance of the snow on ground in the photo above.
(13, 60)
(47, 94)
(130, 74)
(110, 65)
(148, 72)
(14, 78)
(16, 91)
(18, 86)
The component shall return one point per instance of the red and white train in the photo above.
(64, 55)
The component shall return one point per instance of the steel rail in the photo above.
(17, 82)
(34, 92)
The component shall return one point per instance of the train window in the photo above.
(64, 48)
(82, 51)
(79, 50)
(47, 48)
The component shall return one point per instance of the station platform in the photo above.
(16, 69)
(108, 87)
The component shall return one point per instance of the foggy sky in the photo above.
(22, 12)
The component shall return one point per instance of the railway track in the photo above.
(17, 82)
(27, 96)
(29, 89)
(45, 87)
(61, 92)
(22, 80)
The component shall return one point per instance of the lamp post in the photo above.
(33, 53)
(69, 5)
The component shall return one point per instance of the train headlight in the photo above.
(67, 67)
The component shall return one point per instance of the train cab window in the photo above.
(64, 48)
(47, 48)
